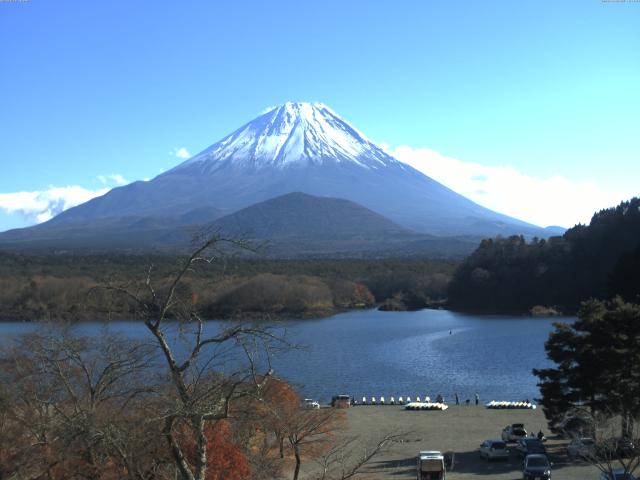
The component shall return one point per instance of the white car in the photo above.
(492, 449)
(431, 465)
(310, 403)
(513, 432)
(581, 447)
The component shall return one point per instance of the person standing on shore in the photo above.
(457, 399)
(477, 399)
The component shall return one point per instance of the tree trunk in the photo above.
(627, 424)
(296, 451)
(281, 445)
(176, 451)
(201, 447)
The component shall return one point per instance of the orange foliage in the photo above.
(280, 396)
(280, 403)
(225, 459)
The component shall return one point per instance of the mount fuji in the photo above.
(296, 147)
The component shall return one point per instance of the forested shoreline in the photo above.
(515, 275)
(510, 275)
(72, 287)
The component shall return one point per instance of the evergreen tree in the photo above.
(596, 261)
(597, 364)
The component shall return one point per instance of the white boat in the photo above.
(426, 406)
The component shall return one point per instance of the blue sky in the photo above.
(547, 92)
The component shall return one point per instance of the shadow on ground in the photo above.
(471, 463)
(398, 467)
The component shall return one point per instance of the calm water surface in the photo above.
(399, 353)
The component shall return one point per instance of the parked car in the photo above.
(310, 403)
(493, 449)
(577, 423)
(529, 445)
(431, 465)
(513, 432)
(624, 447)
(583, 447)
(536, 466)
(617, 474)
(616, 448)
(344, 401)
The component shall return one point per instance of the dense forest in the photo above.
(71, 287)
(599, 260)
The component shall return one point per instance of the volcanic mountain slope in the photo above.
(297, 147)
(292, 225)
(297, 224)
(304, 216)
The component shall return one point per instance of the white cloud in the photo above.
(40, 206)
(267, 109)
(181, 152)
(119, 179)
(113, 178)
(546, 201)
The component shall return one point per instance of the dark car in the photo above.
(536, 466)
(528, 446)
(617, 474)
(624, 447)
(577, 425)
(341, 401)
(616, 448)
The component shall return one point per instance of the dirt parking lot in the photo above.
(460, 429)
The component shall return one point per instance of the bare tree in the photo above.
(310, 430)
(205, 371)
(610, 450)
(75, 406)
(347, 457)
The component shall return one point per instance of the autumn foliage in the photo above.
(226, 460)
(90, 436)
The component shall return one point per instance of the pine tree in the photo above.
(597, 364)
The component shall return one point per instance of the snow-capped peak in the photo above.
(293, 133)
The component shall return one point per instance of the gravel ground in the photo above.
(460, 429)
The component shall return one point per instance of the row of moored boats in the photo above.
(510, 405)
(424, 403)
(391, 400)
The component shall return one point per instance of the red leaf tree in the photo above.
(226, 459)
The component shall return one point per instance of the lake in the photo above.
(373, 353)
